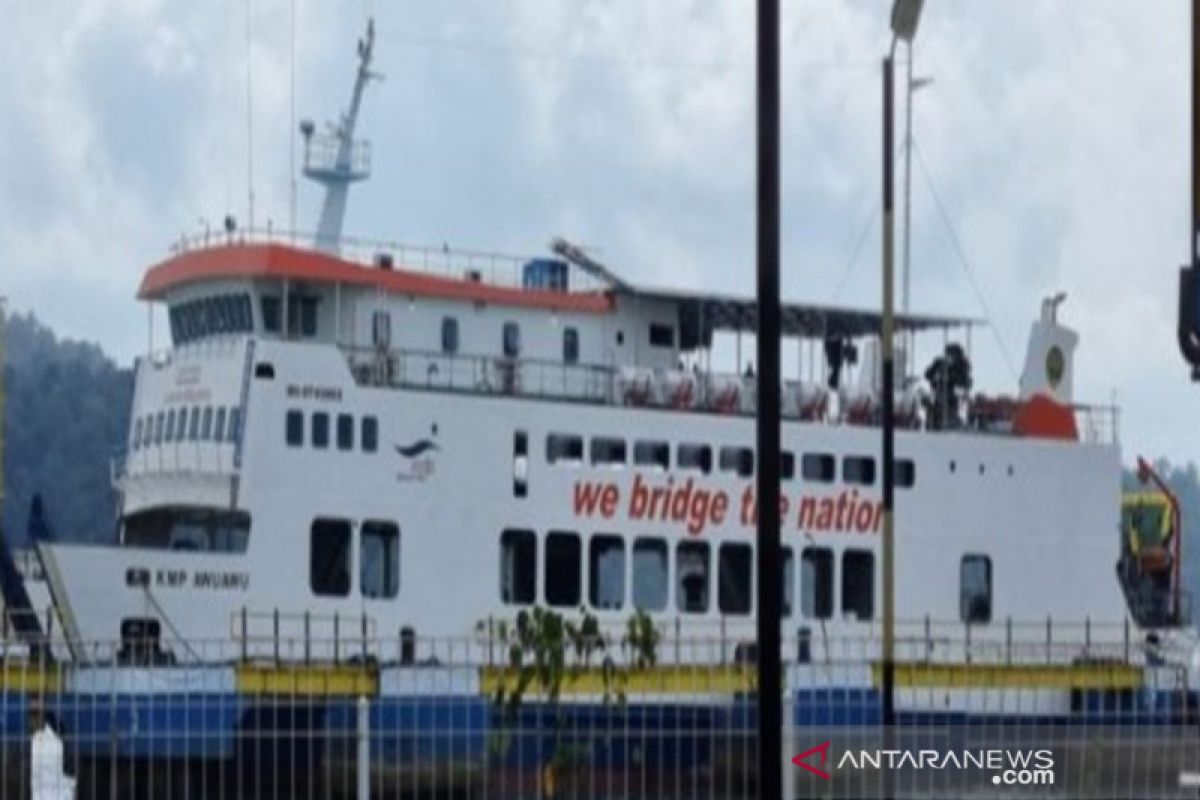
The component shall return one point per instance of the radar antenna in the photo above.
(334, 159)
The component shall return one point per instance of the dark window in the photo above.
(320, 429)
(649, 574)
(571, 345)
(563, 579)
(235, 423)
(381, 329)
(608, 450)
(345, 432)
(606, 572)
(206, 424)
(158, 427)
(906, 473)
(169, 432)
(694, 457)
(329, 558)
(737, 459)
(817, 467)
(449, 335)
(858, 584)
(735, 582)
(219, 425)
(564, 447)
(518, 567)
(816, 583)
(379, 570)
(691, 577)
(789, 581)
(308, 316)
(186, 528)
(136, 441)
(264, 370)
(147, 430)
(975, 589)
(194, 424)
(652, 454)
(180, 426)
(511, 340)
(787, 465)
(270, 313)
(520, 464)
(370, 434)
(661, 335)
(858, 470)
(295, 428)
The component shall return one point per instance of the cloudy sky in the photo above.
(1052, 154)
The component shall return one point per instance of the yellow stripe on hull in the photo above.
(697, 680)
(316, 681)
(30, 678)
(1014, 676)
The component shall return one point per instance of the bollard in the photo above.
(364, 749)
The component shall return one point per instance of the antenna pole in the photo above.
(249, 128)
(292, 127)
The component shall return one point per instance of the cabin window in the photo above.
(219, 425)
(975, 589)
(735, 582)
(789, 581)
(305, 308)
(449, 335)
(563, 569)
(511, 340)
(210, 316)
(158, 427)
(608, 450)
(270, 313)
(787, 465)
(520, 464)
(571, 345)
(858, 470)
(169, 433)
(697, 457)
(294, 425)
(691, 577)
(147, 430)
(652, 454)
(818, 467)
(381, 329)
(737, 459)
(650, 574)
(183, 528)
(194, 424)
(858, 584)
(379, 570)
(206, 424)
(180, 426)
(905, 473)
(320, 430)
(661, 335)
(518, 567)
(370, 434)
(329, 558)
(564, 447)
(264, 370)
(816, 583)
(235, 423)
(606, 572)
(136, 439)
(345, 432)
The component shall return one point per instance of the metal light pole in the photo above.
(913, 86)
(770, 599)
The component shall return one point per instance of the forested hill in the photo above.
(66, 414)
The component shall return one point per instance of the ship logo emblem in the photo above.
(419, 458)
(417, 448)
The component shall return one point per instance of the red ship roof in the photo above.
(283, 261)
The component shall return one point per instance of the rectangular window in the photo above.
(816, 583)
(571, 345)
(563, 569)
(520, 464)
(518, 567)
(308, 316)
(381, 329)
(789, 581)
(219, 425)
(858, 470)
(270, 313)
(320, 430)
(449, 335)
(158, 427)
(735, 581)
(787, 465)
(345, 432)
(329, 558)
(906, 473)
(180, 426)
(737, 459)
(564, 447)
(975, 589)
(294, 425)
(511, 340)
(370, 434)
(650, 574)
(652, 454)
(606, 572)
(691, 577)
(817, 467)
(136, 441)
(379, 560)
(169, 433)
(661, 335)
(147, 430)
(858, 584)
(194, 424)
(608, 450)
(235, 423)
(206, 424)
(697, 457)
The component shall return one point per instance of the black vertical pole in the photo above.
(770, 593)
(1194, 245)
(888, 666)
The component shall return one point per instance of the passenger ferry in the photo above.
(411, 441)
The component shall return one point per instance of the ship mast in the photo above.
(335, 159)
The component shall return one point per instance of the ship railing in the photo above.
(304, 637)
(1097, 424)
(189, 457)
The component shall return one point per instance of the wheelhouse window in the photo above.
(345, 432)
(186, 528)
(379, 559)
(381, 329)
(518, 567)
(571, 345)
(858, 584)
(370, 434)
(329, 558)
(858, 470)
(211, 316)
(652, 454)
(449, 335)
(691, 577)
(608, 450)
(511, 340)
(269, 305)
(661, 335)
(817, 467)
(737, 459)
(606, 572)
(294, 428)
(816, 583)
(305, 308)
(564, 447)
(975, 589)
(320, 430)
(735, 578)
(695, 457)
(650, 574)
(563, 569)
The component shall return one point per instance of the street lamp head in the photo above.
(905, 16)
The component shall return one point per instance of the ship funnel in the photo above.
(1050, 357)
